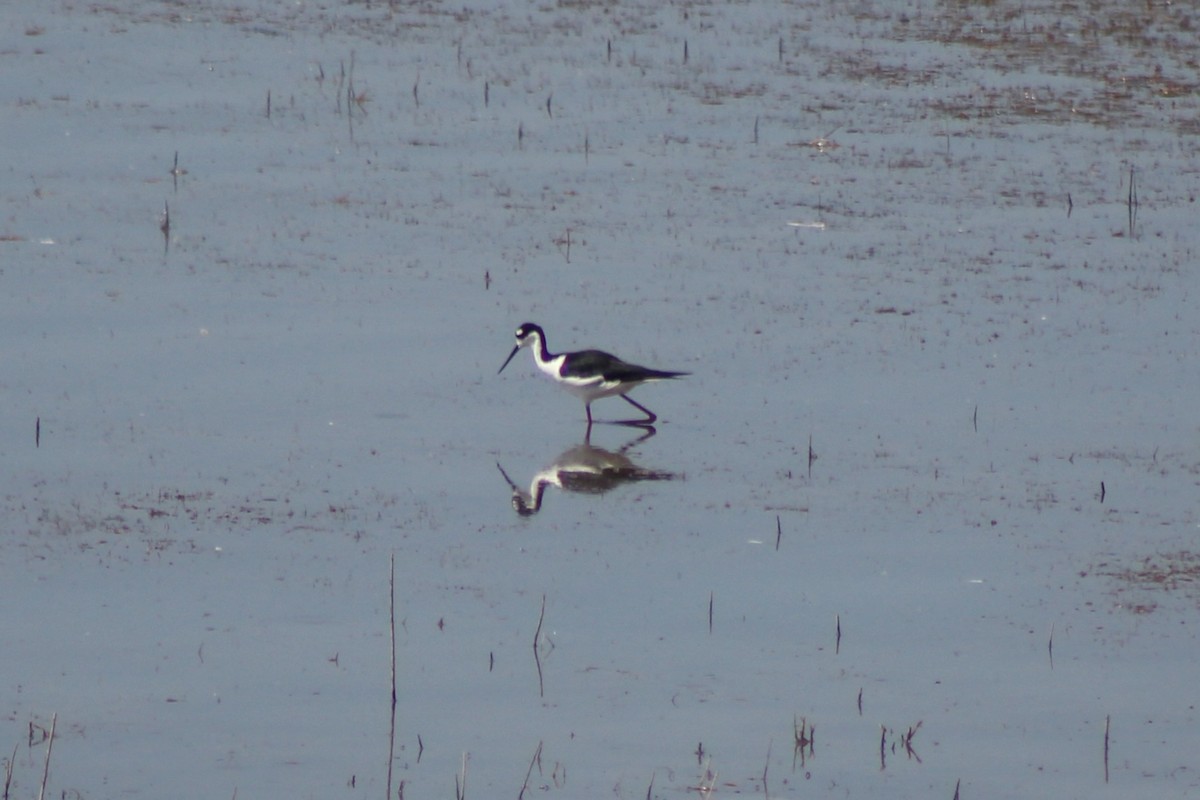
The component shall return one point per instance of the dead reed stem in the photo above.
(1132, 203)
(392, 625)
(1108, 721)
(907, 739)
(392, 621)
(460, 780)
(8, 772)
(54, 722)
(537, 755)
(1050, 645)
(350, 97)
(766, 766)
(164, 225)
(804, 741)
(537, 659)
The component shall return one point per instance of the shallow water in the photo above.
(899, 237)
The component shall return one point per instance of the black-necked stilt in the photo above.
(589, 374)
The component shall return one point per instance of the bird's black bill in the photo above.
(510, 358)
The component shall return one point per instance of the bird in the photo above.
(590, 374)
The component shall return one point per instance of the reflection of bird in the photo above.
(589, 374)
(584, 469)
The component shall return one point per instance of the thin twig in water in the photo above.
(337, 95)
(1107, 721)
(1050, 645)
(708, 782)
(164, 225)
(460, 782)
(350, 97)
(8, 771)
(907, 739)
(537, 755)
(392, 618)
(805, 740)
(176, 172)
(1132, 203)
(54, 722)
(564, 245)
(537, 658)
(766, 766)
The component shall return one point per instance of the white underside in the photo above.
(586, 389)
